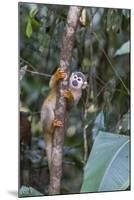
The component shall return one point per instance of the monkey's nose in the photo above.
(74, 83)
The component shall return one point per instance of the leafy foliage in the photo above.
(28, 192)
(29, 28)
(107, 168)
(125, 48)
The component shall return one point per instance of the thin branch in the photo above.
(98, 94)
(37, 73)
(100, 79)
(28, 63)
(33, 72)
(85, 143)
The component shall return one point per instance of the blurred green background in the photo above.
(102, 51)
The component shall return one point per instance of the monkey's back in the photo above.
(47, 111)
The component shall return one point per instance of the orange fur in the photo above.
(47, 114)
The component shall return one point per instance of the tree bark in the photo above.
(60, 111)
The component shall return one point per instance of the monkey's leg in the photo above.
(47, 117)
(49, 140)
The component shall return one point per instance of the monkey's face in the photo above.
(77, 81)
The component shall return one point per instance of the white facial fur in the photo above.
(77, 82)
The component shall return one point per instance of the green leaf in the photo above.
(29, 29)
(83, 17)
(107, 168)
(124, 49)
(35, 22)
(98, 124)
(33, 12)
(114, 20)
(28, 191)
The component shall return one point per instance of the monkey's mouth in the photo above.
(75, 83)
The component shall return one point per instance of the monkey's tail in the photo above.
(48, 145)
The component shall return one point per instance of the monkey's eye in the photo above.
(79, 79)
(75, 77)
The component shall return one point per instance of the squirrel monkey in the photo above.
(77, 82)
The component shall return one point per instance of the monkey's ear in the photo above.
(84, 85)
(72, 73)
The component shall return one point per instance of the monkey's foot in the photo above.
(60, 74)
(68, 94)
(57, 123)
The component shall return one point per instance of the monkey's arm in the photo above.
(68, 95)
(59, 74)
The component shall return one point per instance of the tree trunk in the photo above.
(60, 112)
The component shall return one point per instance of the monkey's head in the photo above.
(77, 81)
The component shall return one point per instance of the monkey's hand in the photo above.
(68, 95)
(57, 123)
(59, 74)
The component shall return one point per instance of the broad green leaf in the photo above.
(29, 29)
(33, 12)
(124, 49)
(35, 22)
(28, 191)
(107, 168)
(98, 124)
